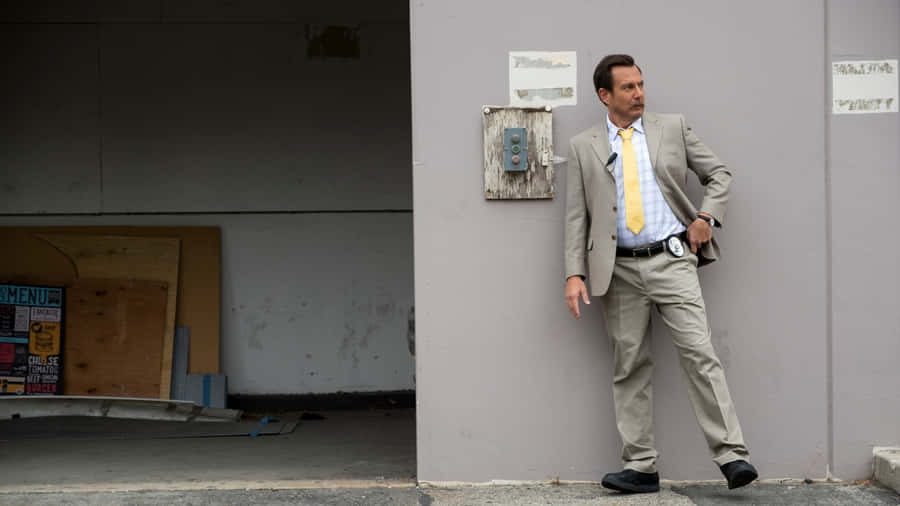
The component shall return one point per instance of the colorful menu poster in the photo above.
(31, 334)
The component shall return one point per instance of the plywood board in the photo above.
(122, 257)
(115, 337)
(34, 261)
(27, 259)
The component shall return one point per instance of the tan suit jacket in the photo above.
(591, 192)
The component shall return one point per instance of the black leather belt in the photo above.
(648, 250)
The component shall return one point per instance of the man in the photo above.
(629, 219)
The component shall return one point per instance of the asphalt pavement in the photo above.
(702, 494)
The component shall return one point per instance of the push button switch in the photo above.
(515, 150)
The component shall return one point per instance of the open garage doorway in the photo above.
(285, 126)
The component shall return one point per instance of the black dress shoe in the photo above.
(631, 481)
(738, 473)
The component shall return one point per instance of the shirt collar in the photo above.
(613, 130)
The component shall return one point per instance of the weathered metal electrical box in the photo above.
(518, 152)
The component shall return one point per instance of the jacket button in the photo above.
(614, 237)
(615, 209)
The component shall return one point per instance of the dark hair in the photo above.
(603, 70)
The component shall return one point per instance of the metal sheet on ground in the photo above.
(129, 408)
(88, 428)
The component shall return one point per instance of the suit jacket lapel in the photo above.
(600, 143)
(653, 132)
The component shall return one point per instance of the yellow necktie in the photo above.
(634, 211)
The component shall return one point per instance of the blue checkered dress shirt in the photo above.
(659, 220)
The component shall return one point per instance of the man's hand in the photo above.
(575, 290)
(698, 234)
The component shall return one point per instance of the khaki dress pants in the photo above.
(671, 284)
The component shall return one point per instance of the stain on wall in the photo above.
(332, 41)
(323, 309)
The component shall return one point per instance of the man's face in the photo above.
(625, 100)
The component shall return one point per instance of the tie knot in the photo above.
(626, 133)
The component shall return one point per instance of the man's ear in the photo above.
(603, 93)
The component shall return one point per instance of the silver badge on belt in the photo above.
(675, 247)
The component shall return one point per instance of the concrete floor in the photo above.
(348, 447)
(351, 457)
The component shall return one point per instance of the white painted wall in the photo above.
(311, 303)
(165, 107)
(324, 308)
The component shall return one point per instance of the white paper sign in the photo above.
(45, 314)
(864, 86)
(540, 78)
(22, 320)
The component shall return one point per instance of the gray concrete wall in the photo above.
(509, 385)
(202, 107)
(170, 108)
(49, 131)
(865, 173)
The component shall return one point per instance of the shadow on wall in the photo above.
(411, 334)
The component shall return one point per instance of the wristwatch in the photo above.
(708, 219)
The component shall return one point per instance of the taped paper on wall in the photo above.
(864, 86)
(540, 78)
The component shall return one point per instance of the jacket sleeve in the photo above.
(577, 217)
(713, 174)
